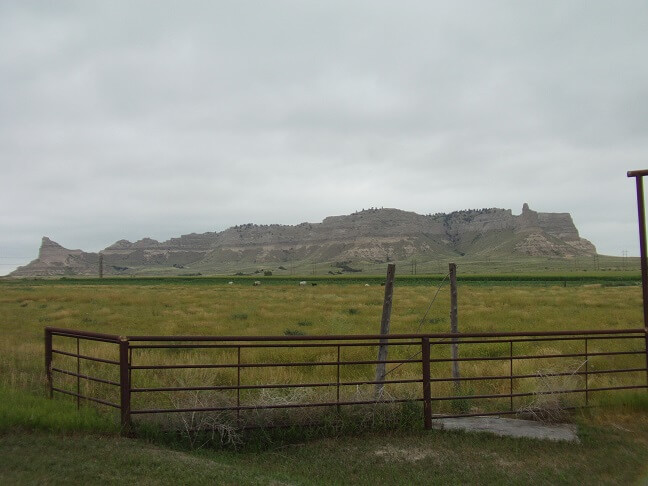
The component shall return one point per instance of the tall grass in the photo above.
(22, 410)
(175, 308)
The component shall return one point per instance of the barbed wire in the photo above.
(421, 323)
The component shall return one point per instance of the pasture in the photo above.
(285, 308)
(240, 309)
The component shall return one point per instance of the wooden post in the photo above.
(384, 329)
(454, 328)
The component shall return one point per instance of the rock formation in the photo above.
(372, 235)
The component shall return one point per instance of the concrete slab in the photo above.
(510, 428)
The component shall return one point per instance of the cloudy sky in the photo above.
(127, 119)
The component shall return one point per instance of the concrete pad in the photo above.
(509, 427)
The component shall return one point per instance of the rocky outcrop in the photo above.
(550, 234)
(371, 235)
(54, 260)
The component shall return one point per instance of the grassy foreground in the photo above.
(43, 441)
(613, 450)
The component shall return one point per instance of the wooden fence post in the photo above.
(384, 330)
(454, 328)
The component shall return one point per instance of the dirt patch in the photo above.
(413, 454)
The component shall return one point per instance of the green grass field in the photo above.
(468, 265)
(40, 440)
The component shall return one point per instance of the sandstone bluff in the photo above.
(371, 236)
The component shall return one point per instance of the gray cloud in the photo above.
(125, 120)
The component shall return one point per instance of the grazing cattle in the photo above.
(302, 283)
(313, 284)
(230, 283)
(366, 285)
(256, 283)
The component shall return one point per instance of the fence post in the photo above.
(338, 380)
(641, 210)
(427, 393)
(238, 386)
(646, 347)
(384, 331)
(511, 372)
(124, 385)
(454, 327)
(78, 378)
(586, 375)
(48, 360)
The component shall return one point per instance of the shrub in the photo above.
(294, 332)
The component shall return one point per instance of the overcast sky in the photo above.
(133, 119)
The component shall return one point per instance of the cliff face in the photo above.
(373, 235)
(550, 234)
(53, 260)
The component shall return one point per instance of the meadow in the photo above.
(191, 306)
(186, 308)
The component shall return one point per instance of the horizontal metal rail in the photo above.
(268, 345)
(91, 336)
(85, 377)
(373, 382)
(637, 173)
(144, 345)
(535, 356)
(274, 406)
(535, 393)
(355, 337)
(364, 362)
(86, 357)
(460, 337)
(377, 402)
(537, 375)
(270, 385)
(92, 399)
(274, 365)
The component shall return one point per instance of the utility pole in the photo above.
(100, 265)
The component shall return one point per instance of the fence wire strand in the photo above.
(422, 321)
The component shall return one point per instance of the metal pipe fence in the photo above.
(499, 370)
